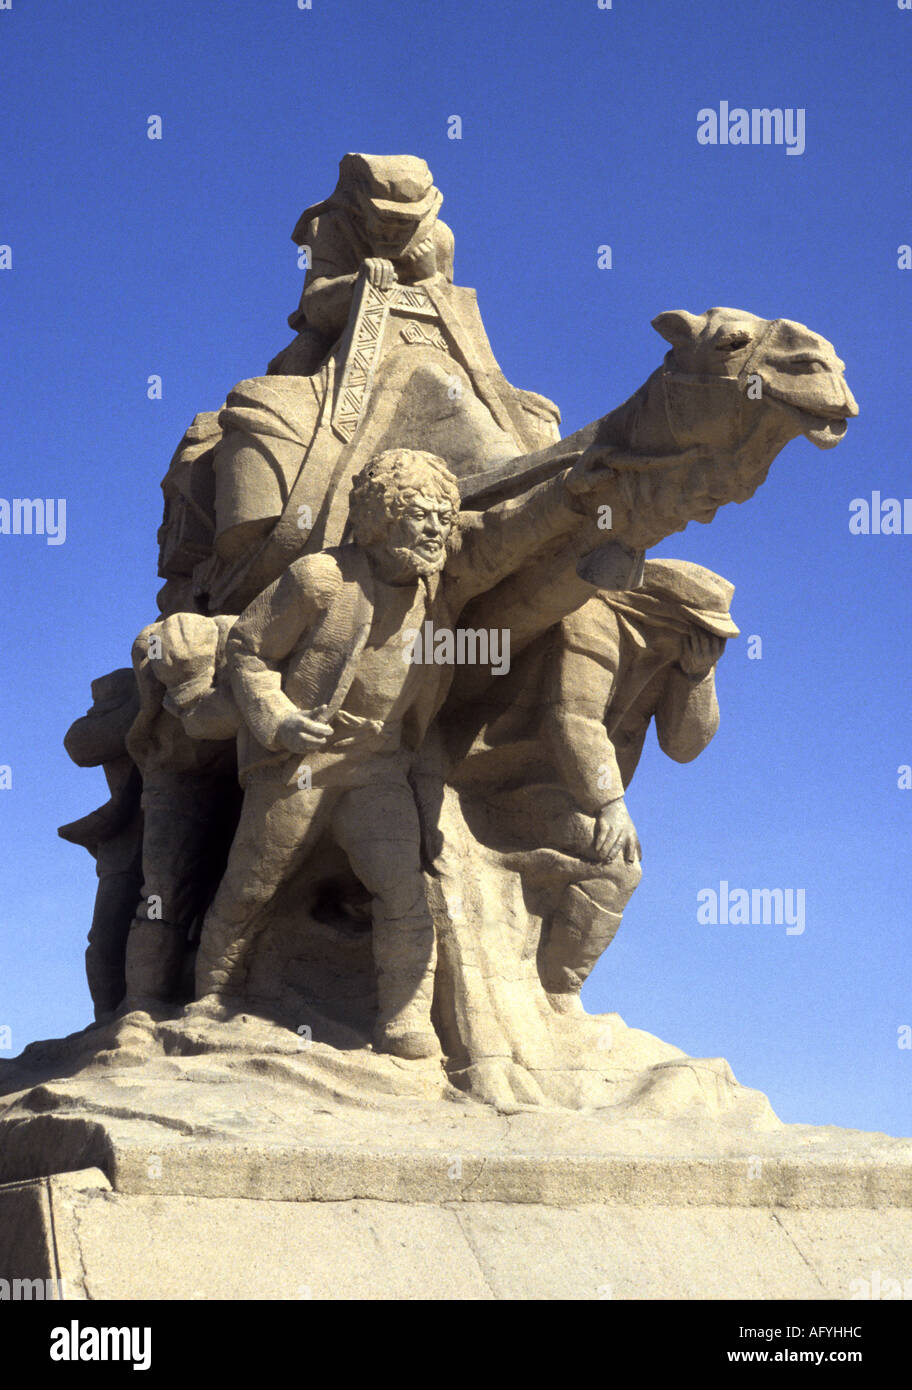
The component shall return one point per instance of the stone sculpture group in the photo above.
(368, 766)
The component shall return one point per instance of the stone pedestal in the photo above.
(94, 1242)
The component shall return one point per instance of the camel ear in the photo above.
(677, 326)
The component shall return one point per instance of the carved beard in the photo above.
(398, 564)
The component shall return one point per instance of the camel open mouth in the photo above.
(823, 430)
(826, 434)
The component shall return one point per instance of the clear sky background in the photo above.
(133, 257)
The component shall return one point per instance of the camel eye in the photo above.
(733, 343)
(801, 366)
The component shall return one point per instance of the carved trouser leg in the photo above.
(104, 957)
(377, 826)
(179, 813)
(155, 954)
(279, 825)
(583, 927)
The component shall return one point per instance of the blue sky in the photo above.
(133, 257)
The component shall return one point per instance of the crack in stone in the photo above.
(787, 1233)
(467, 1236)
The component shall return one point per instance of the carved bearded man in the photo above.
(333, 710)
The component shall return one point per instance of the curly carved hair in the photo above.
(383, 489)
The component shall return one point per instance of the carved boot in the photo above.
(155, 954)
(107, 945)
(105, 979)
(220, 962)
(405, 956)
(581, 931)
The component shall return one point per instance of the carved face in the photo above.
(388, 233)
(775, 362)
(422, 527)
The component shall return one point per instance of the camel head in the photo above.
(777, 365)
(706, 426)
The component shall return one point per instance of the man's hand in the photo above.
(379, 272)
(421, 264)
(701, 651)
(590, 472)
(596, 467)
(615, 833)
(304, 730)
